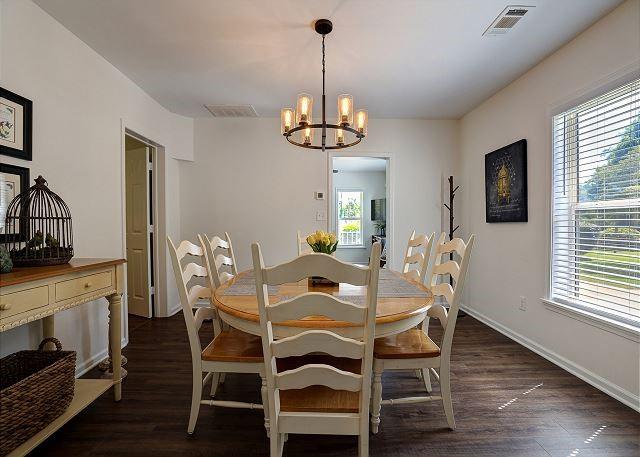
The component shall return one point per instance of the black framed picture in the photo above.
(13, 181)
(505, 180)
(16, 125)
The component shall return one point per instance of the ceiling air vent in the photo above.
(506, 20)
(232, 110)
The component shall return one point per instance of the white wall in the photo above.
(80, 103)
(248, 180)
(373, 186)
(511, 260)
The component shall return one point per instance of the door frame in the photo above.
(390, 183)
(159, 221)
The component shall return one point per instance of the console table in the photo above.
(37, 293)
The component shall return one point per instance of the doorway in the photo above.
(359, 203)
(139, 222)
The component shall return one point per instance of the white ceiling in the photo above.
(399, 59)
(359, 164)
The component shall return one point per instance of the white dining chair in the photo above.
(303, 246)
(413, 349)
(230, 351)
(221, 258)
(417, 256)
(221, 265)
(326, 395)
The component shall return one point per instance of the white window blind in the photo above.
(596, 206)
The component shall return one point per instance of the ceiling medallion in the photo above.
(346, 132)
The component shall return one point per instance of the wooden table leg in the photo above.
(48, 331)
(115, 341)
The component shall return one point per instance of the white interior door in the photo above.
(137, 201)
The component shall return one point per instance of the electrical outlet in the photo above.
(321, 216)
(523, 303)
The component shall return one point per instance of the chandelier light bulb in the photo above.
(362, 119)
(307, 135)
(345, 109)
(304, 109)
(287, 117)
(339, 137)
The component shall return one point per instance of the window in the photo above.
(596, 206)
(349, 211)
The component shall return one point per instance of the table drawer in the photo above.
(24, 300)
(83, 285)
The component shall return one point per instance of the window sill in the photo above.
(352, 247)
(625, 330)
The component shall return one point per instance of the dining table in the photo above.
(402, 304)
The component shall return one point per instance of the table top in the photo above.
(25, 274)
(389, 309)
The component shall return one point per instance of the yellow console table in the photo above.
(37, 293)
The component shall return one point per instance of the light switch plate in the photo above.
(321, 216)
(319, 195)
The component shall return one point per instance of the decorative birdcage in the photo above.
(38, 228)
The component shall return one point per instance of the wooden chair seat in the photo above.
(234, 346)
(411, 344)
(319, 398)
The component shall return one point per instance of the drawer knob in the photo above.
(87, 285)
(5, 307)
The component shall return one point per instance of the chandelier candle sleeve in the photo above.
(304, 109)
(286, 117)
(362, 119)
(339, 136)
(345, 109)
(307, 135)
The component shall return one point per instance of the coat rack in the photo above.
(452, 228)
(452, 195)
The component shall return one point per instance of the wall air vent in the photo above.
(232, 110)
(506, 20)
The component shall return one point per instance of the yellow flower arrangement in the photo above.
(324, 242)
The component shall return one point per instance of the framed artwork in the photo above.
(16, 121)
(13, 181)
(505, 181)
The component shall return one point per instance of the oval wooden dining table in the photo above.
(394, 314)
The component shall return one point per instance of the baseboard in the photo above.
(617, 392)
(94, 360)
(173, 311)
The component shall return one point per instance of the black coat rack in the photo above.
(452, 227)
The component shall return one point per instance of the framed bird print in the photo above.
(16, 121)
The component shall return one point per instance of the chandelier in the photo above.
(345, 131)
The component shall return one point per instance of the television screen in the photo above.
(379, 209)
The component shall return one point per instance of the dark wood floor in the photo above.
(496, 411)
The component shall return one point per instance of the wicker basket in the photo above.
(35, 388)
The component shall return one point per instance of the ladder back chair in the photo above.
(418, 254)
(222, 261)
(230, 351)
(413, 349)
(311, 394)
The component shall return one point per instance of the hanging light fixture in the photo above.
(348, 131)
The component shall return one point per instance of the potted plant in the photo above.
(323, 243)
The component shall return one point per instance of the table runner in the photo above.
(389, 285)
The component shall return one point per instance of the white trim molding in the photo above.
(596, 320)
(624, 396)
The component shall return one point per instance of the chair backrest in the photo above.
(440, 287)
(185, 271)
(417, 255)
(220, 259)
(303, 246)
(361, 316)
